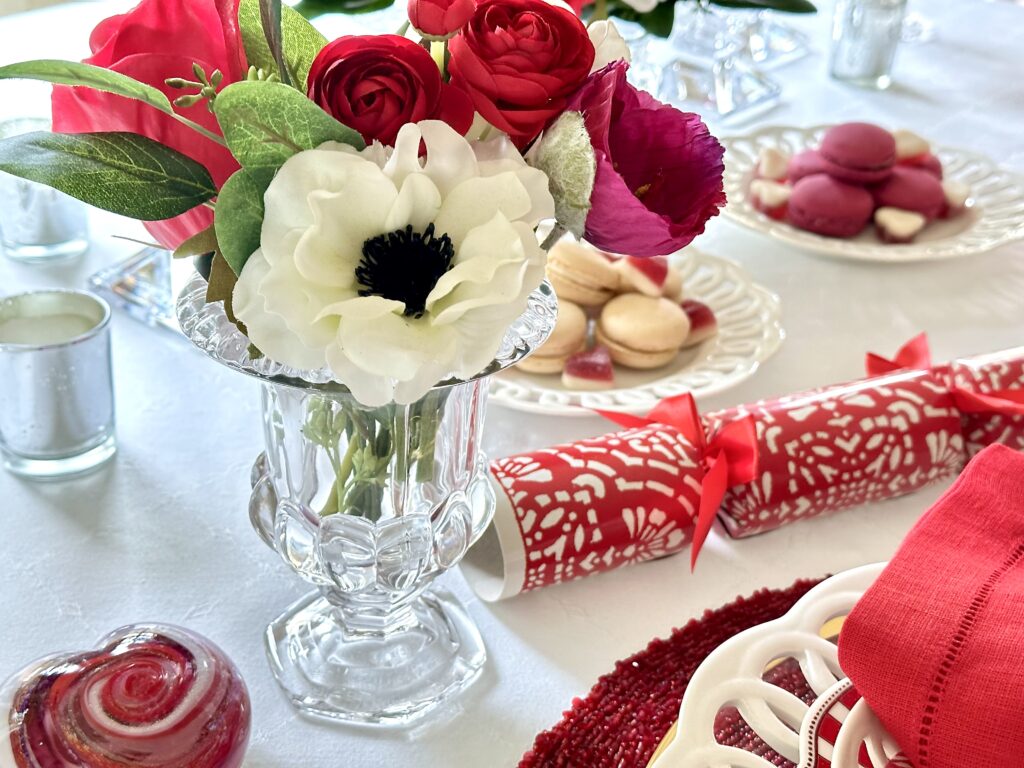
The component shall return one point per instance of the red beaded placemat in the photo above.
(627, 713)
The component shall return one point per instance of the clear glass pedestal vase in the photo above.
(369, 505)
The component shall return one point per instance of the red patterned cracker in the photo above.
(591, 506)
(843, 446)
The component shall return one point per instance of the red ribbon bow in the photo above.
(915, 354)
(1007, 402)
(729, 458)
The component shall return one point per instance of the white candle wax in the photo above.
(57, 328)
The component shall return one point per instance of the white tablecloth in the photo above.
(161, 534)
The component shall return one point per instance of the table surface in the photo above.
(161, 534)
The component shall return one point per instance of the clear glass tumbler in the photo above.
(865, 35)
(56, 388)
(38, 223)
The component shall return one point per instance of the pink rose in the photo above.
(659, 170)
(157, 40)
(440, 19)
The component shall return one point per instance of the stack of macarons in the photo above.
(860, 173)
(615, 310)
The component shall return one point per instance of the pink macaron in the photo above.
(859, 153)
(803, 164)
(827, 206)
(926, 162)
(911, 189)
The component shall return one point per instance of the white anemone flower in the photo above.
(395, 269)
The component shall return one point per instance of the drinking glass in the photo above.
(38, 223)
(56, 388)
(865, 35)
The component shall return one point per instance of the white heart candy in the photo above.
(956, 193)
(899, 224)
(770, 194)
(909, 144)
(772, 164)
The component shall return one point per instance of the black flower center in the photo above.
(404, 266)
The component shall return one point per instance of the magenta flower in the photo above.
(659, 170)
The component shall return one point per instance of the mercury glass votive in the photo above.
(865, 35)
(38, 223)
(56, 386)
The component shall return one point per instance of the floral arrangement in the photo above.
(373, 202)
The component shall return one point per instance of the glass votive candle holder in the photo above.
(865, 35)
(38, 223)
(56, 384)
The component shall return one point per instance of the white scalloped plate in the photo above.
(995, 215)
(731, 676)
(749, 332)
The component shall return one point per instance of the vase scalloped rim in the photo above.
(227, 345)
(992, 219)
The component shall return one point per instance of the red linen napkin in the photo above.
(936, 645)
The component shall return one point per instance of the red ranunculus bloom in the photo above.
(440, 19)
(157, 40)
(375, 84)
(659, 170)
(519, 60)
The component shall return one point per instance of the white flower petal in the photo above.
(474, 202)
(471, 281)
(268, 330)
(418, 204)
(405, 159)
(483, 326)
(608, 43)
(368, 388)
(450, 158)
(363, 308)
(286, 199)
(499, 155)
(394, 345)
(300, 303)
(331, 247)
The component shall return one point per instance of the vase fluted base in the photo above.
(391, 679)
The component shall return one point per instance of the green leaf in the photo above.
(238, 217)
(97, 78)
(266, 123)
(313, 8)
(120, 172)
(785, 6)
(221, 286)
(299, 40)
(199, 244)
(657, 22)
(270, 19)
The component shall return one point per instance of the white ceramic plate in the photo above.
(995, 215)
(732, 676)
(749, 332)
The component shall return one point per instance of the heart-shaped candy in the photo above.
(152, 696)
